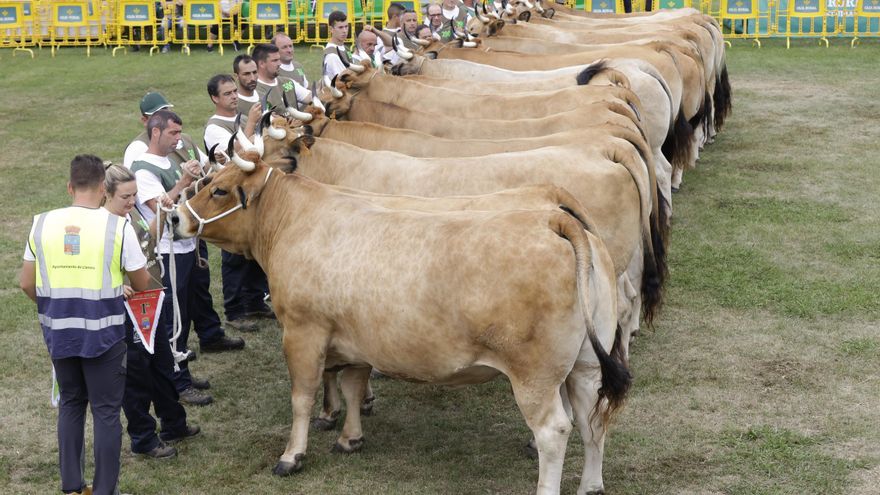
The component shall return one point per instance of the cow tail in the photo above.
(616, 377)
(723, 101)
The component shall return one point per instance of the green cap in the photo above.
(153, 102)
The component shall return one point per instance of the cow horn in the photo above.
(299, 115)
(482, 17)
(259, 145)
(243, 164)
(318, 103)
(357, 68)
(528, 4)
(274, 132)
(539, 7)
(329, 85)
(419, 41)
(436, 36)
(469, 44)
(406, 55)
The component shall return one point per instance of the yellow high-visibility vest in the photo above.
(79, 278)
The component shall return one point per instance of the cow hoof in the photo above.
(287, 468)
(322, 424)
(595, 492)
(530, 451)
(675, 189)
(354, 445)
(367, 406)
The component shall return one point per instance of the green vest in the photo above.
(284, 85)
(297, 74)
(186, 153)
(168, 177)
(342, 51)
(225, 124)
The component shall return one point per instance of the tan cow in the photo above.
(429, 297)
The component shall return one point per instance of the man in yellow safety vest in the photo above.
(74, 264)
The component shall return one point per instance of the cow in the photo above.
(450, 298)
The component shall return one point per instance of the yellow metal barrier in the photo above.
(13, 28)
(318, 26)
(208, 23)
(135, 19)
(746, 19)
(803, 18)
(260, 19)
(70, 25)
(866, 21)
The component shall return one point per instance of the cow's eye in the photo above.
(219, 192)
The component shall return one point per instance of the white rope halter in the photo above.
(203, 222)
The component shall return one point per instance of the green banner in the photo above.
(330, 7)
(269, 12)
(137, 12)
(603, 6)
(203, 12)
(806, 6)
(69, 14)
(8, 15)
(739, 7)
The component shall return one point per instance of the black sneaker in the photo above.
(193, 397)
(191, 431)
(161, 451)
(200, 384)
(224, 343)
(244, 324)
(264, 312)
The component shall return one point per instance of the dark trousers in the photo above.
(150, 380)
(99, 382)
(244, 285)
(195, 304)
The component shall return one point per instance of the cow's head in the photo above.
(356, 77)
(225, 207)
(337, 102)
(484, 23)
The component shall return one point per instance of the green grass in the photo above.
(761, 377)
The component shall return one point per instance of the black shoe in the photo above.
(191, 431)
(161, 451)
(235, 45)
(200, 384)
(193, 397)
(246, 324)
(224, 343)
(264, 312)
(210, 49)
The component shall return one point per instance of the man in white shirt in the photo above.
(160, 182)
(336, 54)
(268, 82)
(369, 42)
(289, 67)
(392, 27)
(245, 70)
(186, 149)
(244, 282)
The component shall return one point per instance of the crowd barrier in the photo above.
(124, 24)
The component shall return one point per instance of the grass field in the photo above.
(761, 377)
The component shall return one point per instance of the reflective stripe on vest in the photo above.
(79, 276)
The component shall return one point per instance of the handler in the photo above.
(74, 264)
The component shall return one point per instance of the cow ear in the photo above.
(549, 13)
(302, 144)
(431, 55)
(495, 26)
(525, 16)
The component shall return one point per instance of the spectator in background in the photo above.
(436, 22)
(368, 43)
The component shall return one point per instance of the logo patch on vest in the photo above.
(71, 240)
(288, 86)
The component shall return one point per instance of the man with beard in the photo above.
(248, 105)
(269, 83)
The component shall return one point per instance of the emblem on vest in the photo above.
(71, 240)
(288, 86)
(192, 154)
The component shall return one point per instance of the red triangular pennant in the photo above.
(144, 309)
